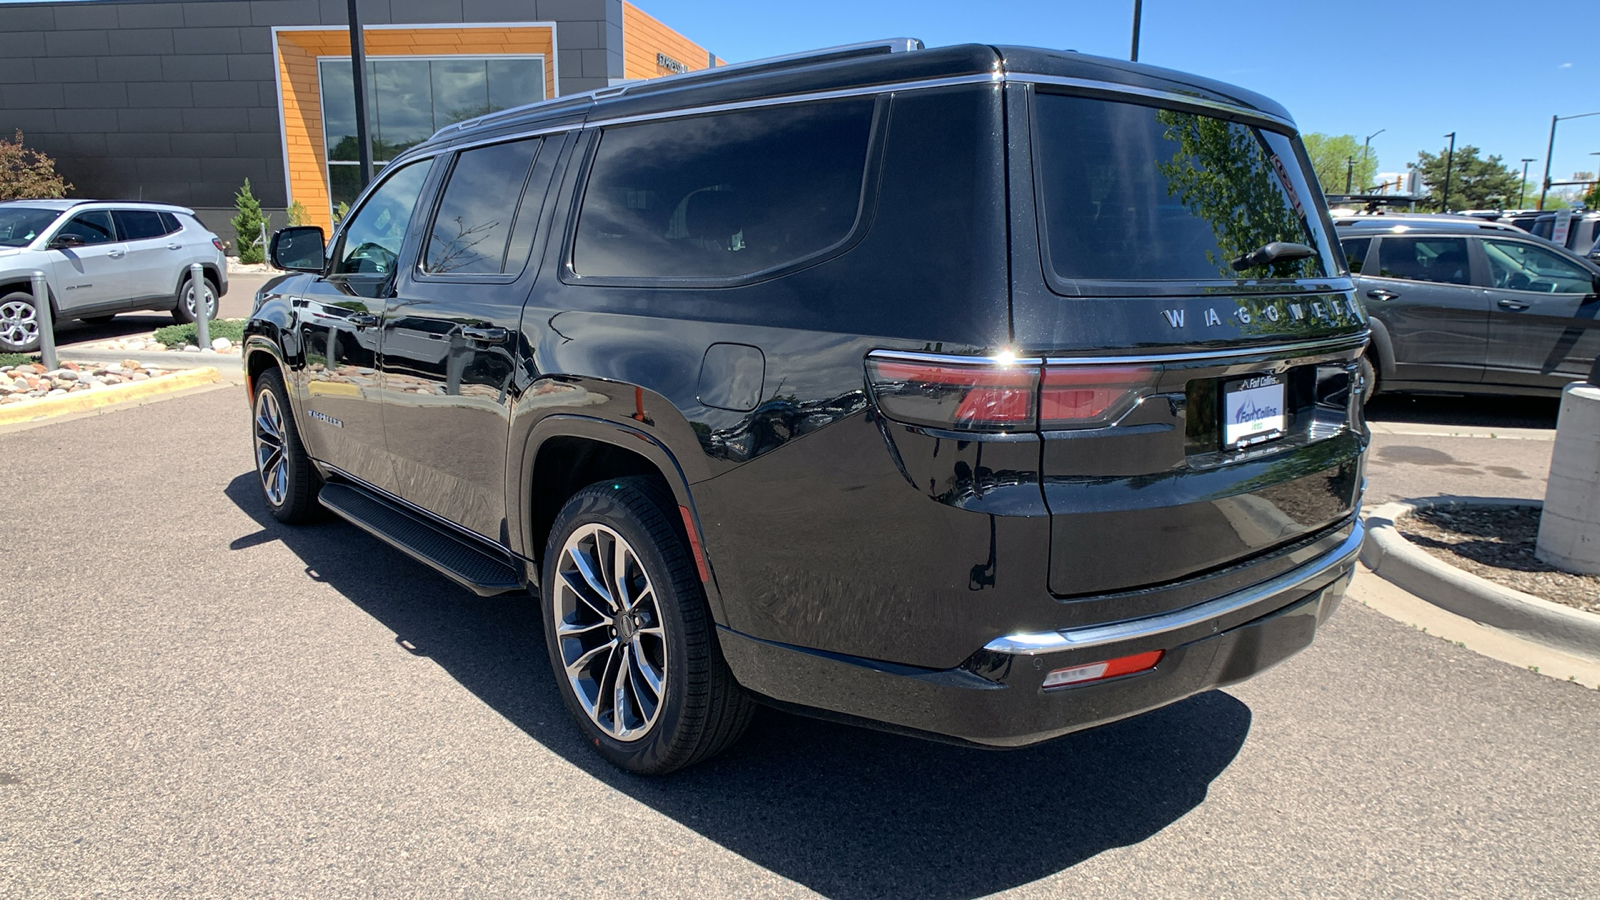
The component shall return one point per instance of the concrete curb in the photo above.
(222, 362)
(1397, 560)
(86, 401)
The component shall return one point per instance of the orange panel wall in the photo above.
(644, 36)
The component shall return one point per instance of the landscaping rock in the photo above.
(220, 344)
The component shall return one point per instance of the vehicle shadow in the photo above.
(1461, 411)
(847, 812)
(133, 324)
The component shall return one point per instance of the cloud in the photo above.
(1564, 66)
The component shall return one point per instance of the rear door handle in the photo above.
(485, 335)
(1512, 304)
(1379, 294)
(174, 246)
(363, 320)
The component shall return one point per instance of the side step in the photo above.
(475, 567)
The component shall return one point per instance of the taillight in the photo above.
(1001, 393)
(217, 243)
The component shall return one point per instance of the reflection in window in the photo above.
(1355, 252)
(1133, 192)
(408, 99)
(474, 222)
(372, 240)
(1516, 266)
(1442, 260)
(725, 195)
(91, 227)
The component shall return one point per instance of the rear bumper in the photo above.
(996, 697)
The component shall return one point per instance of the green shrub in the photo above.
(178, 336)
(296, 213)
(249, 224)
(17, 359)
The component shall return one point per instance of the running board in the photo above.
(459, 558)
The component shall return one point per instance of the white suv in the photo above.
(100, 258)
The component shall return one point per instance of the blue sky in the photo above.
(1494, 73)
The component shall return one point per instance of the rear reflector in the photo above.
(1000, 394)
(1100, 671)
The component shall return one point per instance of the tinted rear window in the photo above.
(1438, 259)
(474, 222)
(1355, 252)
(1136, 193)
(725, 195)
(139, 224)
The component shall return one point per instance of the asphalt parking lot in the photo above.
(199, 701)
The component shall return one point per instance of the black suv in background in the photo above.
(985, 393)
(1459, 304)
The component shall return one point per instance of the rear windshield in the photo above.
(1136, 193)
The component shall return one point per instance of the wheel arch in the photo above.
(566, 453)
(1382, 347)
(209, 270)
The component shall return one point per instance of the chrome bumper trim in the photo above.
(1035, 643)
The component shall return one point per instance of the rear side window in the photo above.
(1355, 252)
(1439, 259)
(478, 212)
(723, 196)
(169, 222)
(1136, 193)
(140, 224)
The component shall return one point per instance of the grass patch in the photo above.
(179, 336)
(17, 359)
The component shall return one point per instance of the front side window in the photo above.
(726, 195)
(1442, 260)
(1516, 266)
(474, 224)
(91, 228)
(372, 240)
(1137, 193)
(21, 225)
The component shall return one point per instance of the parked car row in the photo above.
(1465, 304)
(100, 259)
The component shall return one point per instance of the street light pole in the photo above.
(358, 65)
(1522, 198)
(1551, 149)
(1138, 9)
(1349, 169)
(1366, 144)
(1449, 161)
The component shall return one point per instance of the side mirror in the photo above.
(63, 241)
(298, 248)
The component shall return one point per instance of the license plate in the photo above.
(1252, 410)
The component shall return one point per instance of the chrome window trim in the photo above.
(1113, 87)
(1287, 351)
(1036, 643)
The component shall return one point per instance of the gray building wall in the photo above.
(177, 101)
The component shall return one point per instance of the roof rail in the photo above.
(826, 54)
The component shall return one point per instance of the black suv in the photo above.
(984, 393)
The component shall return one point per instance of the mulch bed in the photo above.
(1497, 543)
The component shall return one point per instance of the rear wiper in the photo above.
(1271, 253)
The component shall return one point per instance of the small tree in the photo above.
(28, 174)
(296, 213)
(250, 224)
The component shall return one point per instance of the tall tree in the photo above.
(1474, 183)
(28, 174)
(1335, 156)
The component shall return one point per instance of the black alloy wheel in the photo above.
(629, 633)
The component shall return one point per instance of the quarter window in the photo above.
(1443, 260)
(723, 196)
(1516, 266)
(91, 227)
(1355, 252)
(478, 213)
(372, 240)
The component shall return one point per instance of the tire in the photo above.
(667, 646)
(1369, 377)
(19, 323)
(183, 301)
(288, 481)
(98, 320)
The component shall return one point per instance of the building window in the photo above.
(408, 99)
